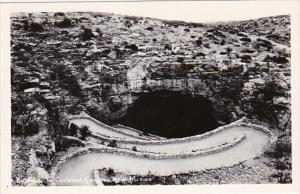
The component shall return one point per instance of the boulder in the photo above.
(112, 55)
(32, 90)
(281, 101)
(258, 81)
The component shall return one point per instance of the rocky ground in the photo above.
(253, 171)
(63, 63)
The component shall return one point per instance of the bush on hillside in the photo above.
(113, 144)
(134, 148)
(246, 58)
(59, 14)
(281, 148)
(73, 129)
(84, 132)
(132, 47)
(276, 59)
(66, 22)
(87, 34)
(245, 39)
(23, 121)
(35, 27)
(199, 41)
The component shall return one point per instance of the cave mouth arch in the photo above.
(170, 114)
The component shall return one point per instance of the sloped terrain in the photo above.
(64, 63)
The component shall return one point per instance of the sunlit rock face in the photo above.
(170, 114)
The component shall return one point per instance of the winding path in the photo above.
(218, 148)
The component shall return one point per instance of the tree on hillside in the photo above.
(84, 132)
(73, 129)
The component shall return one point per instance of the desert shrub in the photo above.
(283, 177)
(113, 144)
(280, 165)
(104, 92)
(134, 148)
(199, 41)
(128, 23)
(180, 59)
(84, 132)
(246, 58)
(228, 50)
(66, 22)
(63, 143)
(114, 106)
(187, 30)
(200, 54)
(87, 34)
(105, 52)
(168, 47)
(110, 172)
(150, 28)
(206, 45)
(276, 59)
(245, 39)
(263, 43)
(218, 33)
(222, 42)
(132, 47)
(57, 123)
(247, 51)
(22, 46)
(59, 145)
(35, 27)
(59, 14)
(280, 149)
(23, 122)
(283, 148)
(64, 32)
(99, 31)
(31, 127)
(66, 79)
(211, 37)
(73, 129)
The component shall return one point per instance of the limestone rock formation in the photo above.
(65, 63)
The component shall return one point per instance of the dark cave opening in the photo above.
(170, 114)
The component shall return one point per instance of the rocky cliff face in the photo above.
(240, 66)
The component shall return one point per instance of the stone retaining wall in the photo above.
(138, 155)
(103, 125)
(238, 123)
(148, 136)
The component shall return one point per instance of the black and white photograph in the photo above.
(116, 98)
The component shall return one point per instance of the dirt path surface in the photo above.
(80, 168)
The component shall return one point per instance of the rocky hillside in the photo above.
(63, 63)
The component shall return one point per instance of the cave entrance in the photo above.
(170, 114)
